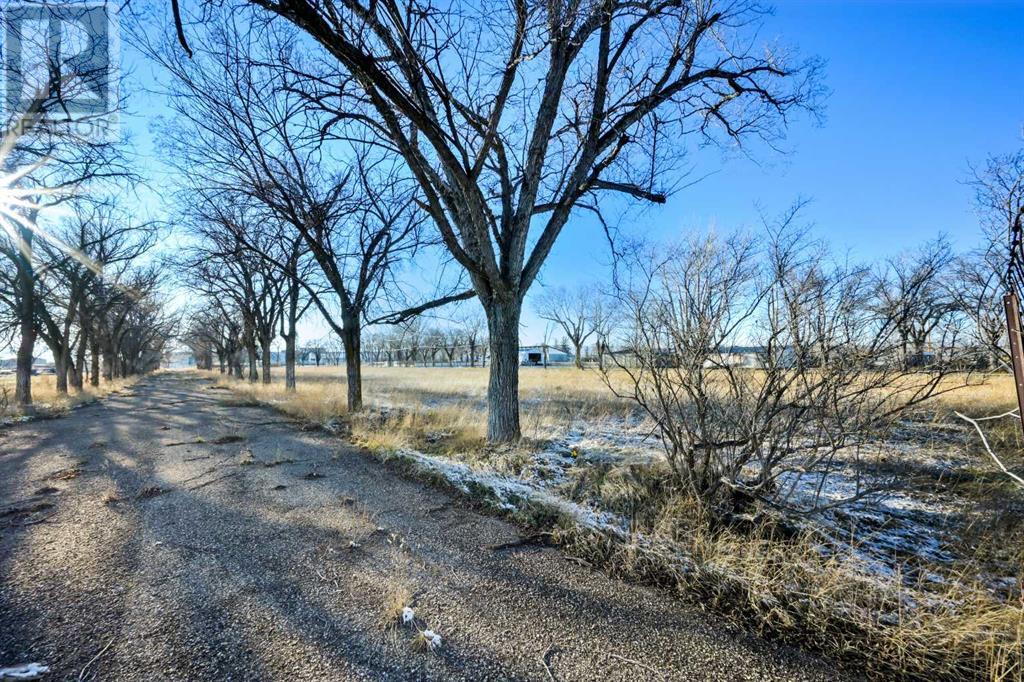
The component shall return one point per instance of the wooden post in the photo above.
(1013, 332)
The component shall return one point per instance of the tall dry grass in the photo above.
(46, 399)
(788, 588)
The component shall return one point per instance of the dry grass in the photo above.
(442, 410)
(995, 396)
(396, 598)
(790, 589)
(437, 410)
(46, 399)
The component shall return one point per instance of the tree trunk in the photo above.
(250, 350)
(266, 357)
(503, 384)
(74, 373)
(78, 377)
(23, 381)
(94, 373)
(60, 365)
(579, 355)
(108, 361)
(289, 360)
(26, 318)
(350, 338)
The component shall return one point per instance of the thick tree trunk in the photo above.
(23, 380)
(289, 360)
(94, 374)
(350, 338)
(266, 358)
(250, 350)
(26, 319)
(579, 355)
(75, 369)
(60, 365)
(78, 375)
(503, 385)
(108, 362)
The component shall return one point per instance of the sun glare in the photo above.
(21, 205)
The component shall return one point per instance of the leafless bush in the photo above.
(767, 369)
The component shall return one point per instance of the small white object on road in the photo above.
(26, 671)
(408, 614)
(432, 638)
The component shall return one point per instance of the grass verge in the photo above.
(47, 402)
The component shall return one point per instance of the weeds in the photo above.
(396, 601)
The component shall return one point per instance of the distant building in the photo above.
(752, 357)
(533, 356)
(8, 365)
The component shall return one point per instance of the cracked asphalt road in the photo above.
(163, 534)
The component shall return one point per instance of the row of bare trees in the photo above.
(282, 220)
(96, 307)
(72, 271)
(462, 341)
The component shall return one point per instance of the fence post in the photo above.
(1013, 333)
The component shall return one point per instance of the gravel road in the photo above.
(163, 534)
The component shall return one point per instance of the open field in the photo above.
(925, 575)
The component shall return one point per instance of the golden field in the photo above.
(417, 401)
(420, 400)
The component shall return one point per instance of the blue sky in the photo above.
(919, 90)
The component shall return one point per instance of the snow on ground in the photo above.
(903, 530)
(510, 493)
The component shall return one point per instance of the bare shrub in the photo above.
(767, 369)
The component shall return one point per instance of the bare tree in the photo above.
(81, 270)
(573, 310)
(43, 162)
(999, 187)
(604, 316)
(999, 197)
(223, 263)
(213, 330)
(473, 330)
(976, 288)
(511, 116)
(912, 292)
